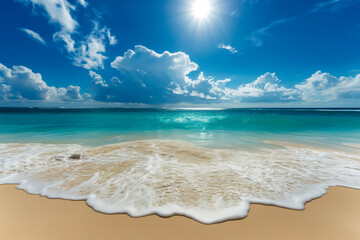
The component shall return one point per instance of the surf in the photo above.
(168, 177)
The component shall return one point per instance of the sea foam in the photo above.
(175, 177)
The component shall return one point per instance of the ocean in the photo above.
(207, 164)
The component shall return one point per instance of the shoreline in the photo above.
(25, 216)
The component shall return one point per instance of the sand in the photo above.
(25, 217)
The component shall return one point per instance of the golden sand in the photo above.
(25, 217)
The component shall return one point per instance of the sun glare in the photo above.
(201, 9)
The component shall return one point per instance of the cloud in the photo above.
(90, 53)
(112, 39)
(33, 35)
(265, 88)
(82, 3)
(228, 47)
(66, 38)
(152, 78)
(71, 93)
(323, 87)
(58, 12)
(331, 5)
(256, 37)
(21, 83)
(86, 51)
(147, 77)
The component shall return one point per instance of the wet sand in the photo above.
(25, 217)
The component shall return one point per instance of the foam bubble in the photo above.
(176, 177)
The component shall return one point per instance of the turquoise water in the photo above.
(227, 128)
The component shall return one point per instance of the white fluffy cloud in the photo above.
(58, 12)
(265, 88)
(71, 93)
(323, 87)
(33, 35)
(153, 78)
(66, 38)
(87, 51)
(21, 83)
(150, 77)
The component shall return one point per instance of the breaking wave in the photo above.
(168, 177)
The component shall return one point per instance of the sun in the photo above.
(201, 9)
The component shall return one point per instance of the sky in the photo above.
(180, 53)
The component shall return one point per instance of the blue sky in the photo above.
(263, 53)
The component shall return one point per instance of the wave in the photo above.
(191, 119)
(175, 177)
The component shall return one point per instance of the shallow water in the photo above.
(208, 165)
(222, 128)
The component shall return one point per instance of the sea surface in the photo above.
(207, 164)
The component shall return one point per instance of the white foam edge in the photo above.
(296, 202)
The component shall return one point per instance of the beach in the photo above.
(336, 215)
(191, 120)
(179, 174)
